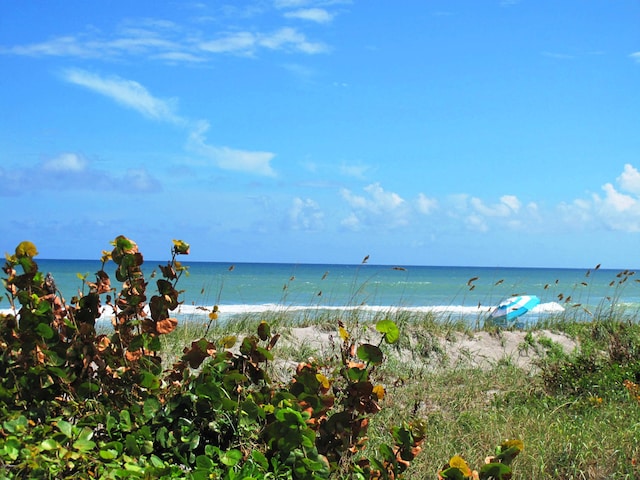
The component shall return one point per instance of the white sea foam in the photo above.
(226, 311)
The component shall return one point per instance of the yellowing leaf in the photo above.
(26, 249)
(519, 444)
(324, 381)
(213, 316)
(228, 341)
(458, 462)
(344, 335)
(181, 247)
(379, 391)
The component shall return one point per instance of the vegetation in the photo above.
(78, 403)
(388, 398)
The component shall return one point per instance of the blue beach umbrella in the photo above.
(513, 307)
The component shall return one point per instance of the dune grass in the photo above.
(571, 409)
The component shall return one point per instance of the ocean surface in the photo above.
(467, 292)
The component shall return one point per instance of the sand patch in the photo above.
(480, 349)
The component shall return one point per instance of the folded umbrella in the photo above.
(513, 307)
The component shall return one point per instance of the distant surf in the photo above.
(447, 292)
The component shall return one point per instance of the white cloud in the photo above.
(127, 93)
(66, 162)
(616, 201)
(351, 222)
(614, 210)
(305, 214)
(227, 158)
(476, 223)
(636, 56)
(617, 211)
(630, 179)
(426, 205)
(355, 171)
(377, 208)
(509, 204)
(140, 180)
(318, 15)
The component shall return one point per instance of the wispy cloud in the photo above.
(171, 43)
(127, 93)
(248, 43)
(133, 95)
(358, 171)
(257, 163)
(318, 15)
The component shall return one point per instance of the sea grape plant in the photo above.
(496, 467)
(79, 403)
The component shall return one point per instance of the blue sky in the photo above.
(467, 132)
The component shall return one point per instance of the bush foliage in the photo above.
(76, 403)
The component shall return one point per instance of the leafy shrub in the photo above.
(609, 355)
(75, 403)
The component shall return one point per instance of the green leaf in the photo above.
(389, 329)
(12, 448)
(123, 243)
(111, 450)
(49, 444)
(125, 421)
(17, 425)
(150, 381)
(248, 345)
(497, 471)
(45, 331)
(260, 459)
(204, 463)
(264, 354)
(65, 427)
(84, 442)
(452, 473)
(132, 445)
(370, 353)
(231, 457)
(387, 453)
(151, 407)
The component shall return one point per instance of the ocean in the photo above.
(449, 292)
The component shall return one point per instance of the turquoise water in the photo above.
(471, 291)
